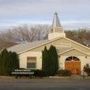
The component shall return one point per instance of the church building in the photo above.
(72, 55)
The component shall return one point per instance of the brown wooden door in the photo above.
(73, 66)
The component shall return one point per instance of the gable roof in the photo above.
(78, 43)
(72, 50)
(25, 46)
(21, 48)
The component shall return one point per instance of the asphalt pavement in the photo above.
(45, 84)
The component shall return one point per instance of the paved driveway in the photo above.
(44, 84)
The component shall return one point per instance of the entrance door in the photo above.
(74, 65)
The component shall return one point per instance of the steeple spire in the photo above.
(57, 29)
(56, 26)
(56, 22)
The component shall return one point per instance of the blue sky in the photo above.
(72, 13)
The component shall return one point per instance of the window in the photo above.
(31, 62)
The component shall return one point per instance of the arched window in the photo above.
(72, 58)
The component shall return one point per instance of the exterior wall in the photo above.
(84, 59)
(55, 35)
(86, 50)
(60, 42)
(23, 59)
(61, 62)
(71, 44)
(63, 42)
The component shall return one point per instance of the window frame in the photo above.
(33, 61)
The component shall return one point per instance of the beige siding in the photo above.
(23, 59)
(83, 58)
(74, 52)
(63, 43)
(80, 48)
(59, 43)
(83, 61)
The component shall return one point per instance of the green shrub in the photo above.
(64, 73)
(9, 61)
(38, 73)
(50, 63)
(87, 69)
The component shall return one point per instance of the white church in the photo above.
(72, 55)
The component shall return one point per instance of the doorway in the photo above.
(73, 64)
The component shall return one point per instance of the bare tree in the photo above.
(24, 33)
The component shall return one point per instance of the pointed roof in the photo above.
(56, 29)
(56, 26)
(21, 48)
(56, 22)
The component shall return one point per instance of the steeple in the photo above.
(56, 22)
(57, 29)
(56, 26)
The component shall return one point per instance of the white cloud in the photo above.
(42, 10)
(16, 7)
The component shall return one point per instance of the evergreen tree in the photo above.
(4, 62)
(45, 63)
(8, 62)
(50, 61)
(53, 60)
